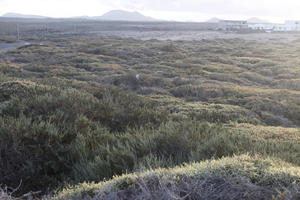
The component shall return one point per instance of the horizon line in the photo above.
(154, 19)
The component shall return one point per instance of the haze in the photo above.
(179, 10)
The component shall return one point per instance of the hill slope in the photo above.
(114, 15)
(121, 15)
(255, 20)
(213, 20)
(241, 177)
(17, 15)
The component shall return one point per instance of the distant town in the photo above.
(227, 25)
(219, 24)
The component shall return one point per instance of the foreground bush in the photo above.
(51, 135)
(45, 154)
(240, 177)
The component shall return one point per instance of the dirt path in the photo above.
(4, 47)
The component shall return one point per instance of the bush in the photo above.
(239, 177)
(54, 135)
(47, 135)
(60, 123)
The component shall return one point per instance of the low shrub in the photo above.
(239, 177)
(47, 134)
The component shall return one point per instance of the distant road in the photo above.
(4, 47)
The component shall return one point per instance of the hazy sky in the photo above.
(181, 10)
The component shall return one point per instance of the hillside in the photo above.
(17, 15)
(84, 108)
(121, 15)
(114, 15)
(210, 180)
(213, 20)
(255, 20)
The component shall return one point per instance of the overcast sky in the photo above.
(181, 10)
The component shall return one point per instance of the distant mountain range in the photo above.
(213, 20)
(121, 15)
(255, 20)
(114, 15)
(17, 15)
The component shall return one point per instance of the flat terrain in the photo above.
(84, 101)
(45, 29)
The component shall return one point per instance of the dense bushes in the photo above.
(77, 117)
(240, 177)
(268, 105)
(45, 135)
(31, 154)
(109, 107)
(52, 135)
(47, 148)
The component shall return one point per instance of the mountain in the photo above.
(114, 15)
(213, 20)
(121, 15)
(17, 15)
(83, 17)
(255, 20)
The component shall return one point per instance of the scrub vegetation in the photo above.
(91, 117)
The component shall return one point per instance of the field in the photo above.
(98, 110)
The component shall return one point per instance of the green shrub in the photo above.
(239, 177)
(62, 121)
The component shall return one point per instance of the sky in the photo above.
(179, 10)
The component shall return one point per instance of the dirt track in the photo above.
(4, 47)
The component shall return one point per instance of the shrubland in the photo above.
(88, 109)
(239, 177)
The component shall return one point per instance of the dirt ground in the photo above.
(4, 47)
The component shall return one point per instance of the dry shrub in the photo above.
(207, 187)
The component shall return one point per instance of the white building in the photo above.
(280, 27)
(287, 26)
(292, 25)
(265, 27)
(233, 25)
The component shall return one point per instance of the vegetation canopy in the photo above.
(200, 119)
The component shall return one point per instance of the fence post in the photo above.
(18, 32)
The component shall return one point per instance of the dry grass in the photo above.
(241, 177)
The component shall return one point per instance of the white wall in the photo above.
(262, 26)
(292, 25)
(287, 26)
